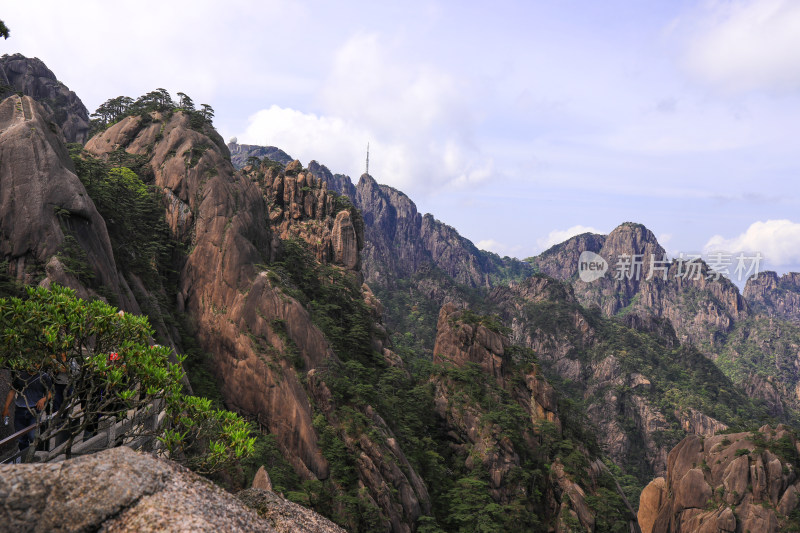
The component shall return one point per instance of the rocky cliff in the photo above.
(223, 217)
(50, 230)
(300, 207)
(30, 77)
(625, 372)
(752, 337)
(734, 482)
(121, 490)
(775, 296)
(240, 153)
(257, 302)
(702, 310)
(502, 420)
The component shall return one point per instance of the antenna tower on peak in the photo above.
(367, 159)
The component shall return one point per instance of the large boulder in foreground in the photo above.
(736, 482)
(122, 490)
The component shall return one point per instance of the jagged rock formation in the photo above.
(753, 338)
(31, 77)
(46, 217)
(299, 206)
(223, 216)
(701, 310)
(487, 444)
(620, 367)
(338, 183)
(560, 261)
(459, 343)
(241, 152)
(775, 296)
(736, 482)
(122, 490)
(266, 347)
(400, 240)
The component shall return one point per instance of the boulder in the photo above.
(120, 490)
(261, 480)
(285, 516)
(650, 502)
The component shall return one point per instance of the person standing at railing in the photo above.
(30, 391)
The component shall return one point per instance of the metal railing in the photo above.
(111, 432)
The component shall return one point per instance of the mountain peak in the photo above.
(630, 238)
(31, 77)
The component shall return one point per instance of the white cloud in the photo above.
(415, 117)
(778, 241)
(748, 44)
(104, 49)
(559, 236)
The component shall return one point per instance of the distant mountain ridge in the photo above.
(730, 327)
(465, 387)
(241, 152)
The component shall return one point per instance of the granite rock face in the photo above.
(300, 206)
(235, 224)
(544, 315)
(700, 309)
(284, 516)
(462, 341)
(241, 152)
(122, 490)
(753, 336)
(31, 77)
(222, 216)
(43, 205)
(459, 342)
(775, 296)
(734, 482)
(560, 261)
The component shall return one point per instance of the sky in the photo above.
(518, 123)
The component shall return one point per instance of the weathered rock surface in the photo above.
(650, 501)
(261, 480)
(545, 316)
(300, 206)
(122, 490)
(701, 310)
(241, 152)
(462, 341)
(399, 240)
(42, 202)
(754, 336)
(775, 296)
(561, 261)
(459, 342)
(234, 222)
(339, 183)
(284, 516)
(735, 482)
(32, 78)
(222, 215)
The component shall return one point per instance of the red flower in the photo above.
(113, 356)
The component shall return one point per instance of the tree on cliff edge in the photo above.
(4, 32)
(113, 371)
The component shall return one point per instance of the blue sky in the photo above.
(518, 123)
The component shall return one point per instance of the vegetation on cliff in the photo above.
(113, 370)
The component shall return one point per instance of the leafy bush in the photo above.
(52, 328)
